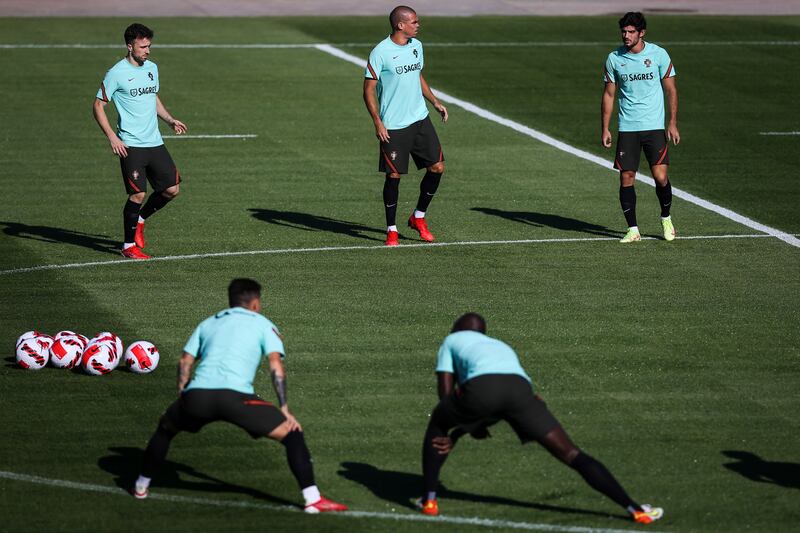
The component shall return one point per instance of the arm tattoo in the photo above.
(279, 382)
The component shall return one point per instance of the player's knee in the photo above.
(280, 432)
(171, 192)
(627, 178)
(393, 176)
(437, 167)
(137, 197)
(166, 425)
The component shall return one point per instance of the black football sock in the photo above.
(155, 202)
(627, 199)
(391, 193)
(432, 460)
(130, 217)
(299, 458)
(427, 188)
(156, 451)
(664, 198)
(600, 479)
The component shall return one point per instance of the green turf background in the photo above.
(658, 358)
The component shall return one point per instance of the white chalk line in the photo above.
(779, 132)
(530, 132)
(373, 247)
(466, 521)
(467, 44)
(221, 136)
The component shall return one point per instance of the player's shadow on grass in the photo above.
(755, 468)
(124, 464)
(308, 222)
(101, 243)
(554, 221)
(402, 489)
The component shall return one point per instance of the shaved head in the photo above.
(470, 322)
(400, 14)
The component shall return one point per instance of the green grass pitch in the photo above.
(676, 364)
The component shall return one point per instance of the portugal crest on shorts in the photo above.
(393, 155)
(135, 174)
(647, 63)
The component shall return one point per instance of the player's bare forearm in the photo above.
(184, 371)
(671, 93)
(178, 126)
(444, 384)
(429, 96)
(371, 101)
(99, 112)
(606, 107)
(278, 375)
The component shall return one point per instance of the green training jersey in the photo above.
(638, 79)
(230, 346)
(133, 90)
(397, 69)
(469, 354)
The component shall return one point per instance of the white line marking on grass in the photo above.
(231, 136)
(779, 132)
(404, 517)
(530, 132)
(348, 248)
(466, 44)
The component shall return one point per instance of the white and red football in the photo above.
(34, 352)
(98, 359)
(66, 351)
(142, 357)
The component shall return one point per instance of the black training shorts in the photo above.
(148, 164)
(631, 143)
(419, 140)
(487, 399)
(198, 407)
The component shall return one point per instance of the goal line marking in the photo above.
(372, 247)
(403, 517)
(539, 136)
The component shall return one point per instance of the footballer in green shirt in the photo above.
(640, 74)
(133, 85)
(395, 92)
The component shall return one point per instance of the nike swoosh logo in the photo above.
(395, 57)
(625, 211)
(131, 79)
(391, 205)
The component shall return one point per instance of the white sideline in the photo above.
(779, 132)
(539, 136)
(357, 247)
(404, 517)
(223, 136)
(468, 44)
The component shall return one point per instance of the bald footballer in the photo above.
(481, 382)
(640, 73)
(395, 92)
(133, 85)
(227, 349)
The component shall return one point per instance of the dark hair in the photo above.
(469, 322)
(242, 291)
(137, 31)
(633, 18)
(398, 14)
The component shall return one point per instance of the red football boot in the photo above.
(138, 237)
(324, 505)
(134, 252)
(420, 225)
(392, 238)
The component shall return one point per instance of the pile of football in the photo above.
(98, 356)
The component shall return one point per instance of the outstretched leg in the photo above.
(154, 455)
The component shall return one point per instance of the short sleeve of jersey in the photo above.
(444, 360)
(609, 76)
(107, 87)
(193, 344)
(665, 68)
(374, 65)
(272, 340)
